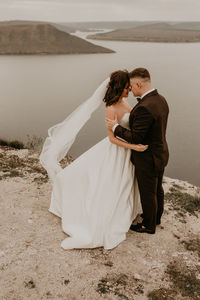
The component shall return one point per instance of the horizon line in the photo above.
(103, 21)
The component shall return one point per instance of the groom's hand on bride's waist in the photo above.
(110, 123)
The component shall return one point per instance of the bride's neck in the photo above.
(120, 100)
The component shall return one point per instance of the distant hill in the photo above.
(171, 26)
(18, 37)
(157, 32)
(92, 26)
(187, 25)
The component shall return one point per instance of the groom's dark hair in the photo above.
(140, 72)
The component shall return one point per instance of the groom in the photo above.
(148, 122)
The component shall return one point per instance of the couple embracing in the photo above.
(99, 195)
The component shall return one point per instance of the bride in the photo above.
(96, 196)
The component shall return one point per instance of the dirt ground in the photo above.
(34, 266)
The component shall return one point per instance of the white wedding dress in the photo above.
(97, 196)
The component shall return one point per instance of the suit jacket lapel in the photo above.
(154, 92)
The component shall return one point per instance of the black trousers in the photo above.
(151, 194)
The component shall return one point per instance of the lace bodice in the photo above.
(124, 122)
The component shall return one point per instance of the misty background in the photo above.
(104, 10)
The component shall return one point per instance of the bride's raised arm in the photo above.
(111, 114)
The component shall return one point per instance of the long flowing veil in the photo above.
(62, 135)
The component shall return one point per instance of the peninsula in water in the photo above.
(42, 38)
(158, 32)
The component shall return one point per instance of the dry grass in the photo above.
(162, 294)
(120, 285)
(34, 142)
(13, 144)
(12, 165)
(192, 245)
(184, 279)
(183, 202)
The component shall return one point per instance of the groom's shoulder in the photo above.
(154, 98)
(154, 95)
(161, 96)
(163, 100)
(156, 104)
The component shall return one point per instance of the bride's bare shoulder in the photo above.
(110, 111)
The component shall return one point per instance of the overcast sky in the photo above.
(100, 10)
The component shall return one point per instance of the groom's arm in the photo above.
(141, 123)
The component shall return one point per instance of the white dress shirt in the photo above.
(149, 91)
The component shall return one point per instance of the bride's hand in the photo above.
(139, 147)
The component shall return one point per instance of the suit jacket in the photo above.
(148, 123)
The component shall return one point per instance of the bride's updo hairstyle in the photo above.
(118, 81)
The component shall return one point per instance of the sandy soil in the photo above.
(34, 266)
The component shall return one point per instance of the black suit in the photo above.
(148, 122)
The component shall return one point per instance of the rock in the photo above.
(2, 253)
(137, 276)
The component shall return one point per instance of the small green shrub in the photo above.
(16, 144)
(13, 144)
(3, 142)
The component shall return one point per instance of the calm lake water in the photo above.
(40, 91)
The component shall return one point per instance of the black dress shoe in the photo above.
(134, 227)
(141, 229)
